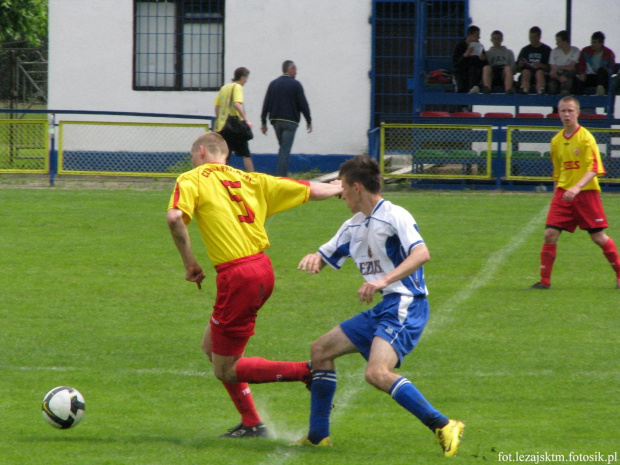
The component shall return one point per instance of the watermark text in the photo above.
(547, 457)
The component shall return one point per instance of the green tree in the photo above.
(23, 20)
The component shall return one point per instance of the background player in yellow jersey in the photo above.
(577, 202)
(230, 207)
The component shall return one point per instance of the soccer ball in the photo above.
(63, 407)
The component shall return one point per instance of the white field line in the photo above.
(345, 394)
(440, 317)
(140, 371)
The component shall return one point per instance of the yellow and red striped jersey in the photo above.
(573, 157)
(230, 207)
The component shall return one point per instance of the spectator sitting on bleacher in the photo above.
(533, 62)
(615, 86)
(563, 60)
(596, 63)
(500, 70)
(468, 60)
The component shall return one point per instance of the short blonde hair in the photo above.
(570, 98)
(213, 144)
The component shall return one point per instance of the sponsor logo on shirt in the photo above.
(571, 165)
(372, 267)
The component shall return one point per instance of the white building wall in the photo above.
(91, 46)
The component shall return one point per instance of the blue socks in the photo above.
(323, 389)
(408, 397)
(402, 391)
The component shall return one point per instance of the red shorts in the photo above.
(585, 211)
(243, 286)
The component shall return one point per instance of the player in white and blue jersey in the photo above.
(386, 246)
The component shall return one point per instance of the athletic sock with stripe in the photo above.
(408, 397)
(322, 391)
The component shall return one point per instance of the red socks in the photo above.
(547, 257)
(611, 252)
(258, 370)
(242, 398)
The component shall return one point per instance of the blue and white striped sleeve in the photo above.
(336, 251)
(407, 230)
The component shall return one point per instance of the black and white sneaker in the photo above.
(242, 431)
(538, 285)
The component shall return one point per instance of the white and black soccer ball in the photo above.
(63, 407)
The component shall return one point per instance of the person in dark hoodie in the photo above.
(468, 60)
(284, 102)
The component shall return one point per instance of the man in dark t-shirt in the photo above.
(533, 62)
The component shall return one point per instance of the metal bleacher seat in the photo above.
(530, 163)
(464, 157)
(467, 158)
(435, 113)
(529, 115)
(467, 114)
(493, 114)
(526, 155)
(427, 157)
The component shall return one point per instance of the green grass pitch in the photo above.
(92, 296)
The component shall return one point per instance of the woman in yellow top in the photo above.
(229, 101)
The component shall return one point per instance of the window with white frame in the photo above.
(178, 44)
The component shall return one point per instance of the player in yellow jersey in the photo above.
(230, 207)
(577, 202)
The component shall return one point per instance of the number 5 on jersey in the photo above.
(249, 217)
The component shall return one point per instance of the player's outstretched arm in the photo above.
(322, 191)
(180, 236)
(311, 263)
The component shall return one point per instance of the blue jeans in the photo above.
(285, 132)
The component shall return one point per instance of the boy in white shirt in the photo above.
(563, 60)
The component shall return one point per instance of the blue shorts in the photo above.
(399, 319)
